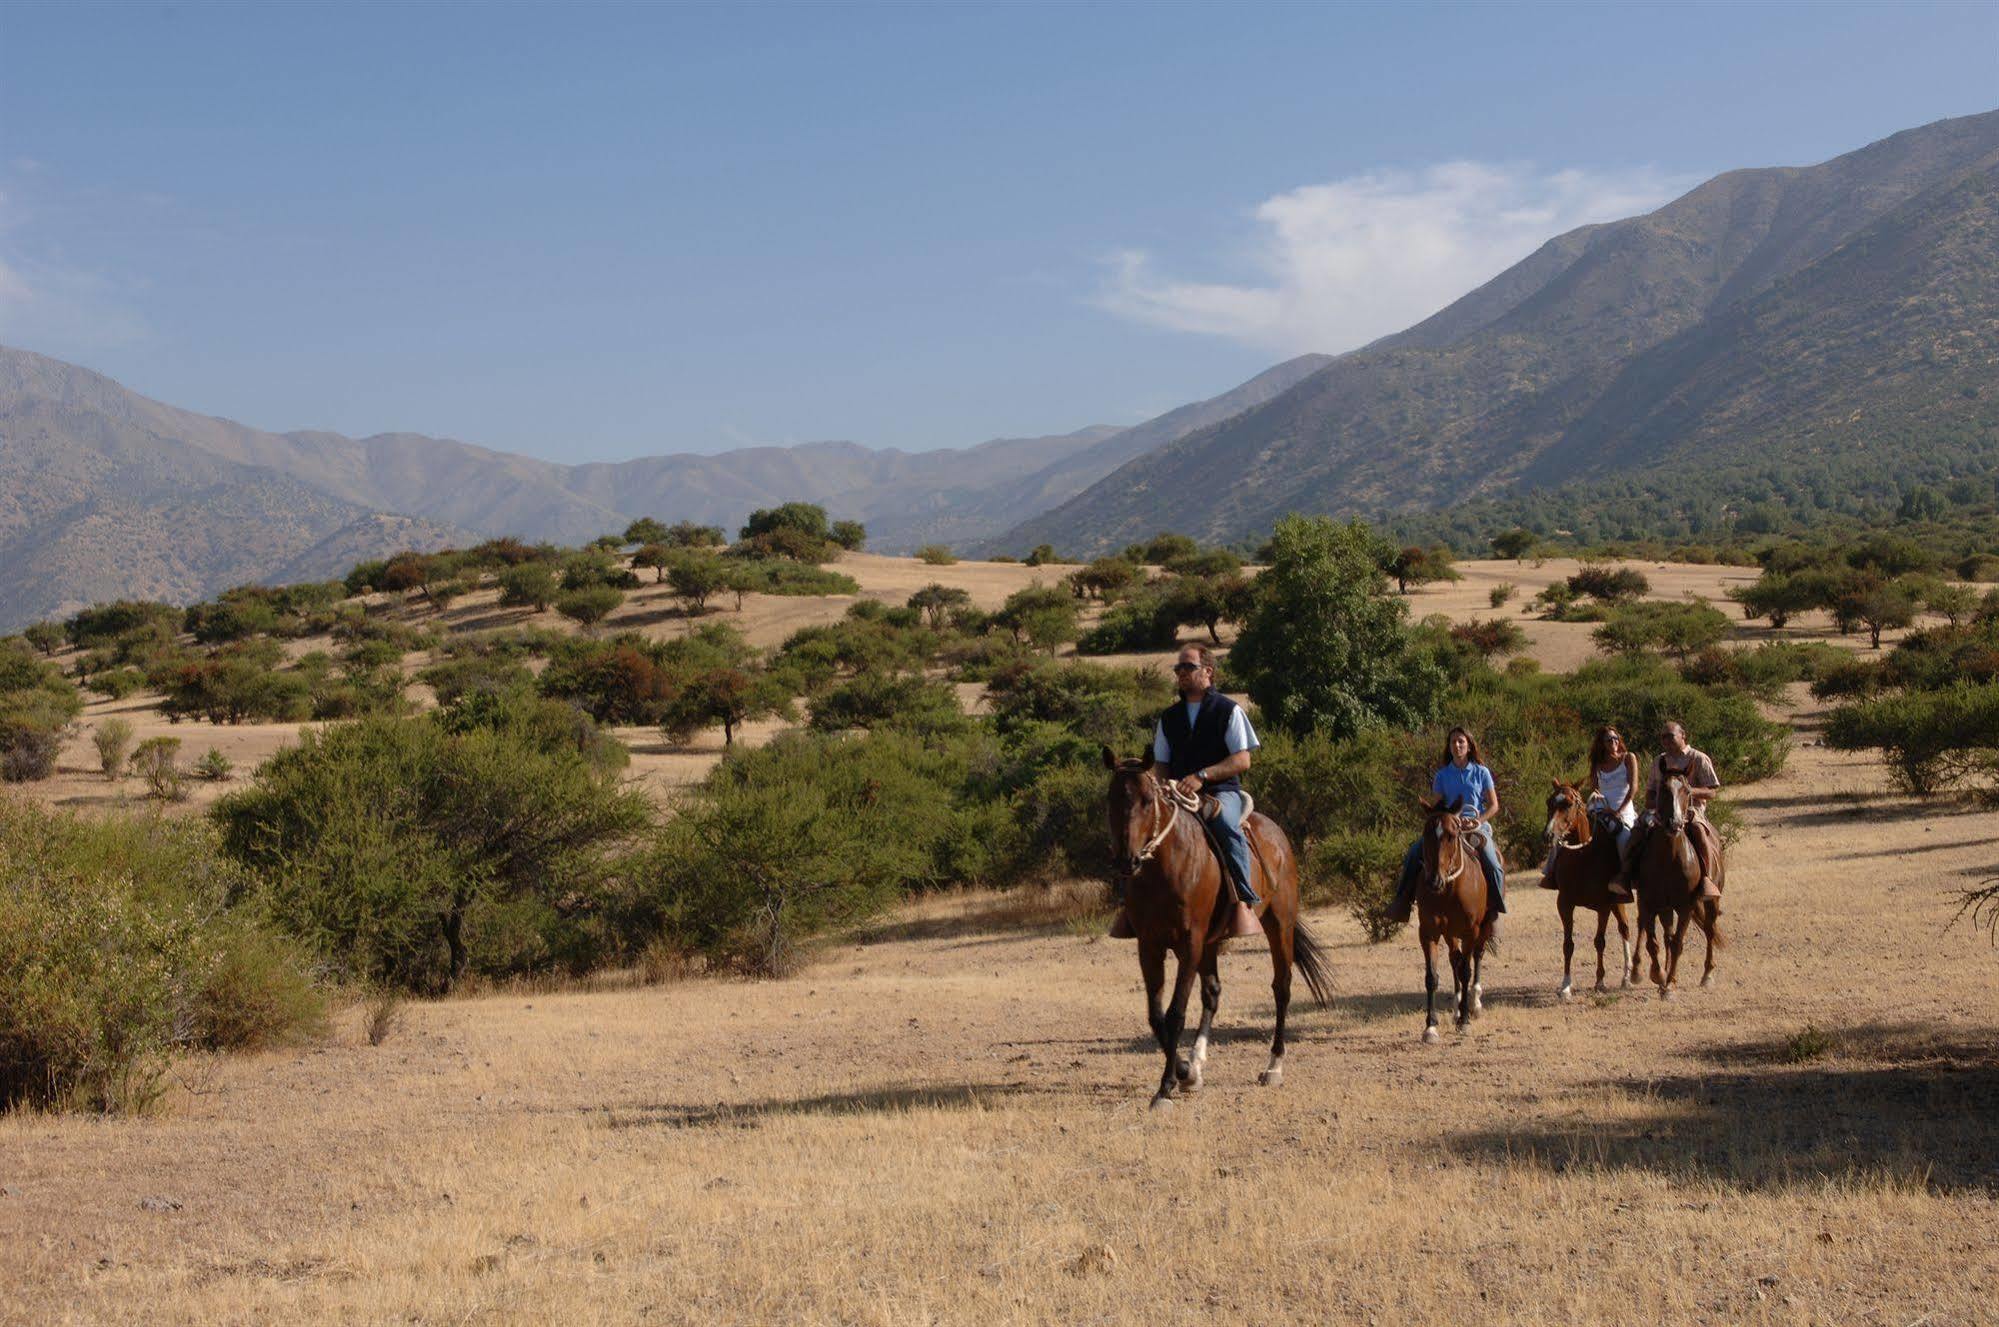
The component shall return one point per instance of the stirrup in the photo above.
(1121, 927)
(1709, 889)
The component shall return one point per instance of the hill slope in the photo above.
(1586, 355)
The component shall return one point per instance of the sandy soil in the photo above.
(944, 1120)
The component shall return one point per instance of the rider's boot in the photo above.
(1244, 922)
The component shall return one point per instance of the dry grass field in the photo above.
(944, 1120)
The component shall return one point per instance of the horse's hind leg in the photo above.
(1710, 925)
(1280, 993)
(1648, 922)
(1171, 1024)
(1629, 972)
(1461, 974)
(1478, 972)
(1568, 912)
(1211, 999)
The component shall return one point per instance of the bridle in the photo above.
(1437, 878)
(1571, 805)
(1163, 819)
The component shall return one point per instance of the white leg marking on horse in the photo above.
(1566, 991)
(1430, 1036)
(1200, 1051)
(1273, 1075)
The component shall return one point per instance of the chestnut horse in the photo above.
(1175, 893)
(1669, 877)
(1451, 905)
(1585, 864)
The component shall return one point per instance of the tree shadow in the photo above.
(1946, 846)
(863, 1101)
(1885, 1105)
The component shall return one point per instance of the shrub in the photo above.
(936, 602)
(621, 682)
(214, 766)
(1105, 579)
(1162, 548)
(786, 578)
(451, 679)
(230, 688)
(1682, 629)
(1042, 556)
(1491, 639)
(107, 624)
(414, 851)
(1501, 594)
(1930, 739)
(1323, 647)
(528, 585)
(117, 683)
(695, 577)
(113, 740)
(1608, 584)
(1041, 616)
(936, 555)
(884, 700)
(37, 706)
(850, 535)
(157, 761)
(118, 946)
(588, 607)
(1144, 622)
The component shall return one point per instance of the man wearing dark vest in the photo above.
(1202, 744)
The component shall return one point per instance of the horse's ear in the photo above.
(1457, 805)
(1557, 784)
(1429, 805)
(1110, 757)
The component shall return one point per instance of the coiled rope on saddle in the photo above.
(1192, 804)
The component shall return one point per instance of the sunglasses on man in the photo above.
(1185, 667)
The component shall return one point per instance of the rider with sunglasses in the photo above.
(1202, 744)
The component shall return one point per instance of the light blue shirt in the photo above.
(1238, 736)
(1469, 785)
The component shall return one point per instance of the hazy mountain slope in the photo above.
(1468, 401)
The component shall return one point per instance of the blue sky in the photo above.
(593, 233)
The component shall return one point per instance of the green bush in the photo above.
(528, 585)
(37, 706)
(936, 555)
(1683, 629)
(416, 851)
(1114, 707)
(157, 761)
(1930, 739)
(117, 683)
(1146, 621)
(113, 740)
(1501, 594)
(119, 946)
(886, 700)
(1041, 616)
(1610, 585)
(589, 606)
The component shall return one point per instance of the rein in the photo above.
(1178, 802)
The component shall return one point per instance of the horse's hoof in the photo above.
(1192, 1084)
(1565, 993)
(1182, 1072)
(1162, 1103)
(1270, 1077)
(1667, 994)
(1601, 989)
(1706, 980)
(1478, 1007)
(1430, 1037)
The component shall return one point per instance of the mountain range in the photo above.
(1805, 313)
(1821, 317)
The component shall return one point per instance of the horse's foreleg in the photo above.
(1602, 930)
(1568, 912)
(1629, 972)
(1710, 924)
(1172, 1023)
(1674, 943)
(1430, 988)
(1461, 973)
(1211, 999)
(1648, 922)
(1477, 961)
(1281, 952)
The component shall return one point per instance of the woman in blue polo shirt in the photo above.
(1463, 779)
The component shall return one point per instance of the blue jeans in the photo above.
(1227, 829)
(1412, 871)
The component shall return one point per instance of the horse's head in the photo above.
(1138, 811)
(1444, 849)
(1568, 814)
(1675, 799)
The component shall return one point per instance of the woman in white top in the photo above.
(1611, 786)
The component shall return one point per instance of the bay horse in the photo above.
(1585, 864)
(1669, 877)
(1178, 898)
(1451, 906)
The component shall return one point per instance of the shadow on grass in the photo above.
(864, 1101)
(1945, 846)
(1892, 1106)
(1057, 910)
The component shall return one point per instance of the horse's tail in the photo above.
(1309, 956)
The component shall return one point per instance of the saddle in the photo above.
(1210, 807)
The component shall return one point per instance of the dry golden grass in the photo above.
(943, 1120)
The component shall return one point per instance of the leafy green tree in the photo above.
(805, 518)
(689, 534)
(1042, 556)
(1954, 603)
(658, 556)
(850, 535)
(1515, 544)
(730, 695)
(936, 601)
(646, 530)
(888, 700)
(1888, 607)
(1161, 549)
(1105, 579)
(695, 576)
(1040, 615)
(1324, 648)
(1207, 600)
(44, 636)
(528, 584)
(1608, 584)
(1681, 629)
(1420, 566)
(588, 607)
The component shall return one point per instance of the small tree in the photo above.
(1207, 601)
(687, 534)
(1515, 544)
(157, 761)
(113, 739)
(1954, 603)
(590, 606)
(214, 766)
(1042, 556)
(730, 695)
(645, 530)
(1041, 616)
(936, 555)
(694, 577)
(936, 601)
(529, 585)
(47, 637)
(1610, 585)
(850, 535)
(1420, 566)
(1105, 579)
(657, 556)
(1887, 607)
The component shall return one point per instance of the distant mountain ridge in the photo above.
(1712, 330)
(108, 493)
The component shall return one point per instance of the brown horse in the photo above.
(1451, 906)
(1669, 877)
(1585, 864)
(1175, 893)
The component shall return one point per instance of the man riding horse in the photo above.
(1202, 744)
(1678, 756)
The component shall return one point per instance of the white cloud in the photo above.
(1337, 265)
